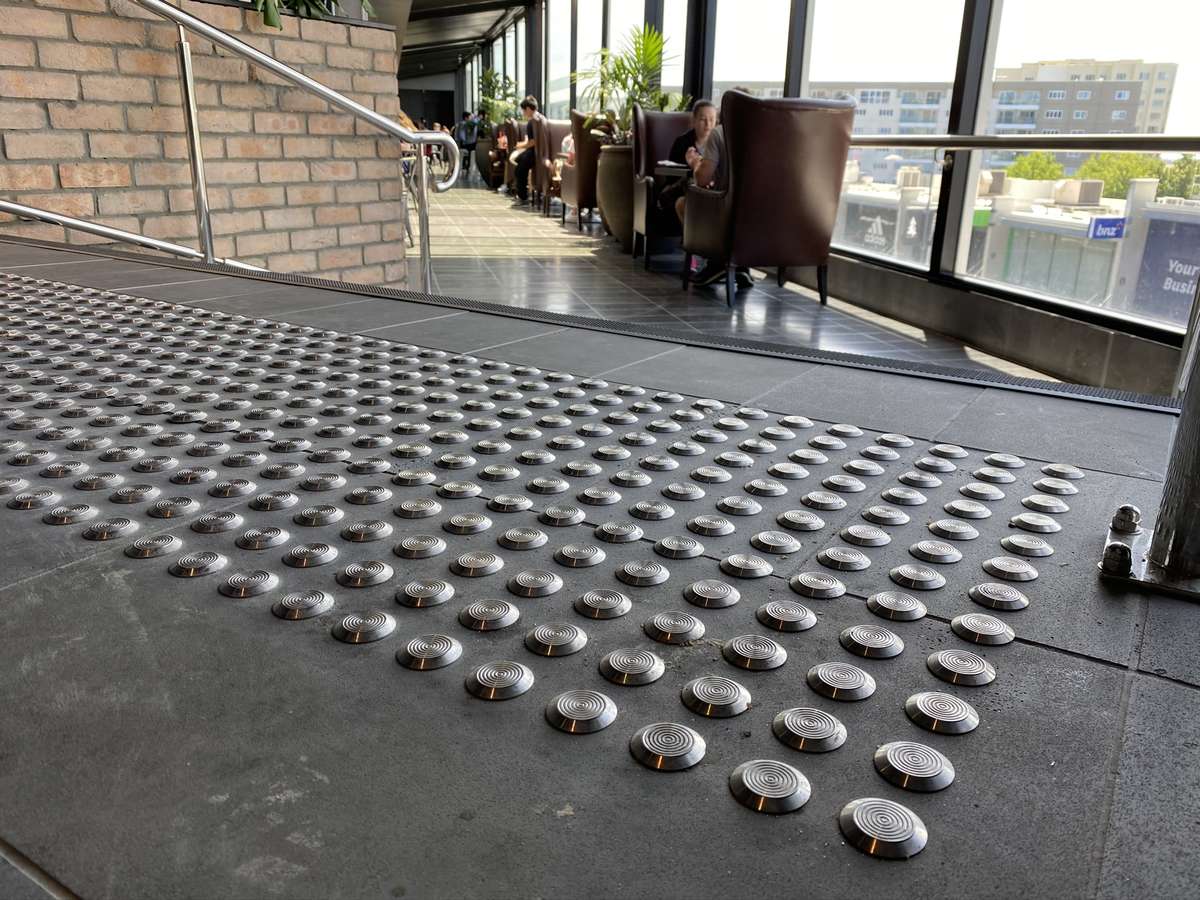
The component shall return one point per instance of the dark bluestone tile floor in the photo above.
(485, 248)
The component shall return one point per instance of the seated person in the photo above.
(704, 120)
(528, 153)
(710, 170)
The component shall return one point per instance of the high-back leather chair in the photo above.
(786, 159)
(579, 180)
(516, 132)
(653, 135)
(554, 131)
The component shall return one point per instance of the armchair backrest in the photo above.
(786, 162)
(653, 134)
(587, 159)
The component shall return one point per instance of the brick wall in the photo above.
(92, 127)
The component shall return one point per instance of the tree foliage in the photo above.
(1181, 178)
(1037, 166)
(1116, 170)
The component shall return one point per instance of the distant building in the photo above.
(1155, 81)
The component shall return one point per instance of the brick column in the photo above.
(92, 127)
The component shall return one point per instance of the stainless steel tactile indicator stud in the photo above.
(998, 596)
(755, 652)
(667, 747)
(429, 651)
(710, 593)
(193, 565)
(715, 696)
(809, 730)
(249, 584)
(980, 628)
(556, 639)
(499, 680)
(941, 713)
(632, 666)
(581, 712)
(871, 642)
(303, 605)
(311, 555)
(896, 606)
(961, 667)
(488, 615)
(673, 627)
(769, 786)
(840, 681)
(882, 828)
(602, 603)
(425, 592)
(364, 628)
(913, 766)
(785, 615)
(150, 547)
(364, 574)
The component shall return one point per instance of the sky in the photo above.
(916, 40)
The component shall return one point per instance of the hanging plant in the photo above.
(305, 9)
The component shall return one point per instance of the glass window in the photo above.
(1054, 114)
(623, 17)
(1113, 231)
(510, 54)
(1079, 95)
(889, 196)
(558, 59)
(587, 44)
(519, 52)
(1062, 95)
(751, 49)
(675, 41)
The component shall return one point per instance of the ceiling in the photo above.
(438, 35)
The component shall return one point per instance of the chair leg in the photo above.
(730, 285)
(687, 268)
(564, 214)
(646, 251)
(823, 283)
(780, 275)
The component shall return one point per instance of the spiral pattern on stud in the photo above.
(769, 778)
(840, 681)
(669, 739)
(885, 821)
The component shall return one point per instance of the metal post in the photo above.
(187, 89)
(1176, 543)
(423, 220)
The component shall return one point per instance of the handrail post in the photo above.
(187, 90)
(423, 220)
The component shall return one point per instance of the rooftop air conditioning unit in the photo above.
(999, 181)
(908, 176)
(1090, 191)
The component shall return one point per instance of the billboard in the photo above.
(1168, 274)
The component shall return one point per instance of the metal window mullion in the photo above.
(980, 28)
(795, 73)
(574, 52)
(604, 23)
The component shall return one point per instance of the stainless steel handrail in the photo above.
(287, 73)
(1151, 143)
(113, 234)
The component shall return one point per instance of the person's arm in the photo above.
(705, 171)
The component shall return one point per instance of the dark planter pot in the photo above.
(614, 192)
(482, 163)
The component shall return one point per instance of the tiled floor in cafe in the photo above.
(485, 248)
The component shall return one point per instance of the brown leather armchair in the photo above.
(579, 180)
(497, 159)
(786, 159)
(553, 132)
(653, 135)
(516, 132)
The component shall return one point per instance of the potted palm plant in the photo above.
(305, 9)
(618, 81)
(497, 101)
